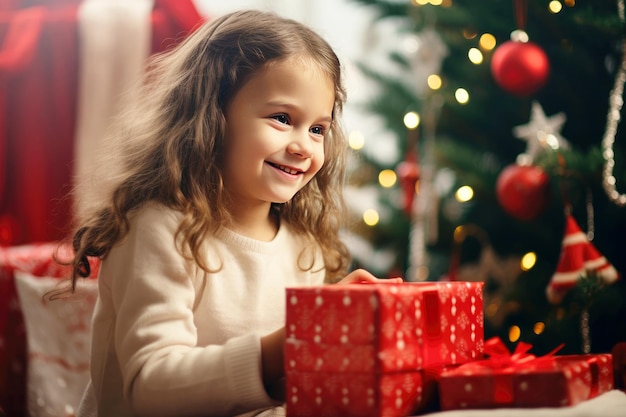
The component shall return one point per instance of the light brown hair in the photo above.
(172, 139)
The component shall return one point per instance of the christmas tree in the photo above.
(512, 167)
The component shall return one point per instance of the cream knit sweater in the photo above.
(172, 340)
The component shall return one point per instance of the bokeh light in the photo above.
(371, 217)
(514, 333)
(528, 261)
(387, 178)
(555, 6)
(434, 82)
(411, 120)
(464, 194)
(487, 41)
(469, 34)
(475, 56)
(356, 140)
(461, 95)
(539, 327)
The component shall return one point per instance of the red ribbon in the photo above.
(500, 357)
(503, 364)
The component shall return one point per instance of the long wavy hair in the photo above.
(169, 143)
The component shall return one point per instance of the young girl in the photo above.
(229, 192)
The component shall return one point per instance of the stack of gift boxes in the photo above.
(393, 350)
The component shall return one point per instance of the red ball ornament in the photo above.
(520, 68)
(523, 191)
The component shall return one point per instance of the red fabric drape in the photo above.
(38, 93)
(172, 20)
(38, 79)
(12, 5)
(38, 90)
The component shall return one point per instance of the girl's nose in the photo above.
(301, 144)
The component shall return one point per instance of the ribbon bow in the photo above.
(502, 364)
(500, 357)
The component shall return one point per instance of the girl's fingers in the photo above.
(361, 275)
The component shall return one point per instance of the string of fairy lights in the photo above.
(616, 102)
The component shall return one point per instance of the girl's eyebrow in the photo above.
(328, 118)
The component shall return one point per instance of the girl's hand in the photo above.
(272, 359)
(361, 275)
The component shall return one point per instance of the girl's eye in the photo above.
(318, 130)
(281, 118)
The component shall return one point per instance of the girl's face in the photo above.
(275, 128)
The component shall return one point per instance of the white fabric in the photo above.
(609, 404)
(114, 44)
(178, 341)
(58, 336)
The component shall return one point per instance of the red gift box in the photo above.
(618, 354)
(525, 381)
(379, 336)
(600, 368)
(332, 394)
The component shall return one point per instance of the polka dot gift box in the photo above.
(525, 381)
(361, 349)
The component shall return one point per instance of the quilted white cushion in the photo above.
(58, 335)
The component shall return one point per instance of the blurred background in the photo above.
(485, 139)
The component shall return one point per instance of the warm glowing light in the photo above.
(459, 234)
(371, 217)
(387, 178)
(411, 120)
(487, 41)
(539, 327)
(356, 140)
(514, 333)
(570, 3)
(419, 2)
(464, 194)
(436, 2)
(434, 82)
(491, 310)
(469, 34)
(461, 95)
(528, 261)
(475, 56)
(555, 6)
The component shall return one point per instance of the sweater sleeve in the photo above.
(164, 372)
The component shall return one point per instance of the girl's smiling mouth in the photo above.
(286, 169)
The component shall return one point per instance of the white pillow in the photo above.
(58, 336)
